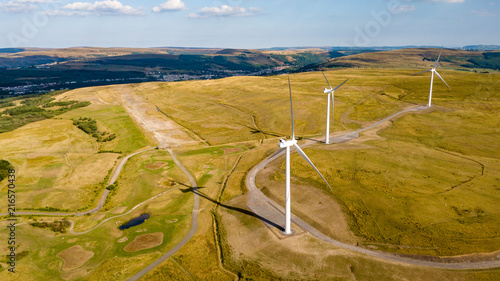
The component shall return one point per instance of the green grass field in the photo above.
(113, 118)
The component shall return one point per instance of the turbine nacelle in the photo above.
(284, 143)
(327, 91)
(434, 71)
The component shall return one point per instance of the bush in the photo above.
(89, 126)
(5, 166)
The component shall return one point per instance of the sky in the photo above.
(248, 23)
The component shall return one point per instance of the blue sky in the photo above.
(247, 23)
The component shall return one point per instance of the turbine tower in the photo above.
(284, 144)
(330, 93)
(433, 70)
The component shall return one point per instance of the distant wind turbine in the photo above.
(284, 144)
(433, 70)
(330, 93)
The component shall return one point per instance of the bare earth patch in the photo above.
(328, 216)
(121, 240)
(145, 113)
(145, 241)
(74, 257)
(119, 210)
(156, 165)
(228, 150)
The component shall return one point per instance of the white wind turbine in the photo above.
(433, 70)
(330, 93)
(284, 144)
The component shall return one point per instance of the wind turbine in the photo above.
(433, 70)
(330, 93)
(284, 144)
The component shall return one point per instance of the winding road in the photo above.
(194, 223)
(272, 212)
(102, 200)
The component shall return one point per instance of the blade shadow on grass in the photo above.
(243, 211)
(257, 131)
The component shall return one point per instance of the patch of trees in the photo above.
(47, 209)
(56, 226)
(4, 169)
(34, 109)
(489, 60)
(89, 126)
(59, 103)
(113, 186)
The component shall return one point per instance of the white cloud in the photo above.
(22, 6)
(106, 7)
(225, 11)
(403, 9)
(170, 6)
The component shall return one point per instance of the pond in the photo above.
(135, 221)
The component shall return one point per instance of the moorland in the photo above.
(422, 185)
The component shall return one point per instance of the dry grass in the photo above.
(54, 160)
(145, 241)
(156, 165)
(74, 257)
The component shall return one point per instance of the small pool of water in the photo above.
(135, 221)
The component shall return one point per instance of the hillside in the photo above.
(419, 58)
(424, 184)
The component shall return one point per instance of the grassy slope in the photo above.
(424, 186)
(54, 159)
(191, 103)
(170, 214)
(366, 179)
(114, 119)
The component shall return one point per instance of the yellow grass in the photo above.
(53, 160)
(145, 241)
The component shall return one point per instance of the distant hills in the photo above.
(417, 58)
(36, 70)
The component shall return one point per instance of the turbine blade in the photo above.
(291, 107)
(442, 79)
(332, 97)
(340, 85)
(277, 152)
(437, 61)
(326, 79)
(421, 72)
(301, 152)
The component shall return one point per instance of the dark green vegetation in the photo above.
(489, 60)
(34, 109)
(5, 166)
(89, 126)
(56, 226)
